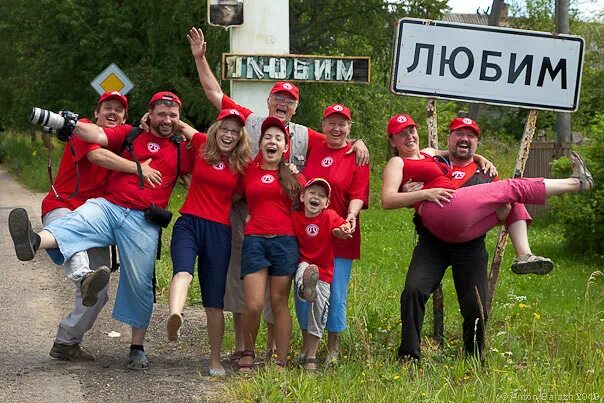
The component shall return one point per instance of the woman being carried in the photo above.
(459, 215)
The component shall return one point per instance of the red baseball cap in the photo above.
(114, 95)
(459, 123)
(398, 123)
(337, 108)
(321, 182)
(227, 113)
(272, 121)
(165, 96)
(281, 86)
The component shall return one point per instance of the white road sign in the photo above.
(112, 79)
(494, 65)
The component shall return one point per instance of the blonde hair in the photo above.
(238, 158)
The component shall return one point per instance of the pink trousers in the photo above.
(471, 211)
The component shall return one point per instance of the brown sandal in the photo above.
(312, 361)
(235, 357)
(246, 367)
(280, 365)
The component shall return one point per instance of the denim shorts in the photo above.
(279, 254)
(210, 242)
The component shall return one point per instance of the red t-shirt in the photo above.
(460, 175)
(432, 173)
(314, 137)
(269, 206)
(315, 239)
(93, 178)
(123, 188)
(348, 181)
(212, 186)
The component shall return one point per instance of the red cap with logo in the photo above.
(337, 108)
(281, 86)
(398, 123)
(165, 96)
(272, 121)
(321, 182)
(227, 113)
(114, 95)
(460, 123)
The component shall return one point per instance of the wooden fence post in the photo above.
(523, 153)
(437, 296)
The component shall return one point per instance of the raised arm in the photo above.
(210, 85)
(392, 198)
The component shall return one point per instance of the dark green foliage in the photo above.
(582, 215)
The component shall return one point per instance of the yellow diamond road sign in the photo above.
(112, 79)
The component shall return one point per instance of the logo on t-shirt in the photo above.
(219, 166)
(152, 147)
(267, 179)
(458, 175)
(327, 161)
(312, 230)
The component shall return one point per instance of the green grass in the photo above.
(544, 336)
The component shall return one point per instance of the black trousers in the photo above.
(430, 260)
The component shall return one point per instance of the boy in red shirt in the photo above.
(314, 228)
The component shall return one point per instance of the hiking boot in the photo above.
(92, 284)
(70, 352)
(25, 239)
(310, 278)
(137, 360)
(173, 326)
(532, 264)
(580, 171)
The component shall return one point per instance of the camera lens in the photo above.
(46, 118)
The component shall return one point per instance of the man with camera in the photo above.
(128, 214)
(82, 175)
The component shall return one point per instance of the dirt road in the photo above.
(35, 296)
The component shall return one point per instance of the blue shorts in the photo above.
(279, 254)
(194, 237)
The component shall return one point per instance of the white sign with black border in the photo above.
(494, 65)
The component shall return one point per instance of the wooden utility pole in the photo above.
(563, 125)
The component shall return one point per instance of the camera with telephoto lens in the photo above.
(61, 123)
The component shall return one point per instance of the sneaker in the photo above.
(173, 326)
(532, 264)
(92, 283)
(309, 283)
(137, 360)
(23, 236)
(580, 171)
(70, 352)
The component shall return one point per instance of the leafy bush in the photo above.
(582, 215)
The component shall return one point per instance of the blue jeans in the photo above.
(336, 317)
(100, 223)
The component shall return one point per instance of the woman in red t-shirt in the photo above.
(270, 252)
(203, 231)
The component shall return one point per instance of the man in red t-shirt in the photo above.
(468, 260)
(282, 103)
(122, 216)
(82, 175)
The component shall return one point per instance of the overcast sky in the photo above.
(587, 8)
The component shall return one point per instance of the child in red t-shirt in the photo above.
(314, 227)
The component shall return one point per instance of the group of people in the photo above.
(269, 202)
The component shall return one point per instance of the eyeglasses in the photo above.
(282, 99)
(339, 125)
(225, 130)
